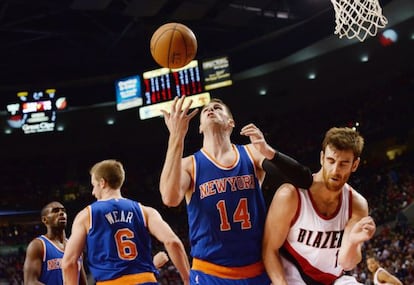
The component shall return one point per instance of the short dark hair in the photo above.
(344, 139)
(45, 209)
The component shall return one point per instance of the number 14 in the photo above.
(241, 215)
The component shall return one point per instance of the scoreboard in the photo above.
(160, 86)
(157, 86)
(35, 112)
(164, 84)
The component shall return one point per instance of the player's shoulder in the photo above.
(285, 199)
(148, 209)
(36, 245)
(257, 156)
(84, 215)
(359, 202)
(187, 162)
(356, 195)
(249, 147)
(188, 158)
(287, 191)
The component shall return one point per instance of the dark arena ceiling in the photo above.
(80, 47)
(85, 42)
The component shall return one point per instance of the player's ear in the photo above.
(321, 157)
(355, 164)
(232, 123)
(102, 182)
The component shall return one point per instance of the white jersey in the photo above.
(313, 242)
(376, 281)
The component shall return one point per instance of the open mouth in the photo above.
(336, 179)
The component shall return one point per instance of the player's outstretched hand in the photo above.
(256, 137)
(178, 118)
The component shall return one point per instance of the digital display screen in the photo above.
(164, 84)
(157, 86)
(187, 80)
(35, 112)
(216, 73)
(128, 93)
(160, 86)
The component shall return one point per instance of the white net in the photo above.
(358, 18)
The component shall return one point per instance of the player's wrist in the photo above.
(269, 152)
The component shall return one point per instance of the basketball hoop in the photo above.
(358, 18)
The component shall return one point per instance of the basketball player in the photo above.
(313, 236)
(221, 184)
(42, 264)
(380, 275)
(117, 232)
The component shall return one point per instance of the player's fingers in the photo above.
(192, 114)
(248, 127)
(250, 131)
(255, 133)
(187, 106)
(180, 103)
(367, 220)
(165, 114)
(174, 105)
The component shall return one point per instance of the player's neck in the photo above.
(56, 235)
(215, 142)
(226, 157)
(321, 193)
(108, 194)
(324, 201)
(217, 146)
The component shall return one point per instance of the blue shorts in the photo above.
(200, 278)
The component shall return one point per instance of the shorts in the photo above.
(201, 278)
(346, 280)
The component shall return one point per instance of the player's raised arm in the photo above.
(281, 167)
(174, 182)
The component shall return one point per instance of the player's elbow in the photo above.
(170, 198)
(68, 266)
(67, 263)
(172, 243)
(349, 264)
(170, 201)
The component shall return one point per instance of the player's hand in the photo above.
(178, 118)
(256, 137)
(160, 259)
(363, 230)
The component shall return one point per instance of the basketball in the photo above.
(173, 45)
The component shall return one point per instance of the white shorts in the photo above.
(293, 276)
(346, 280)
